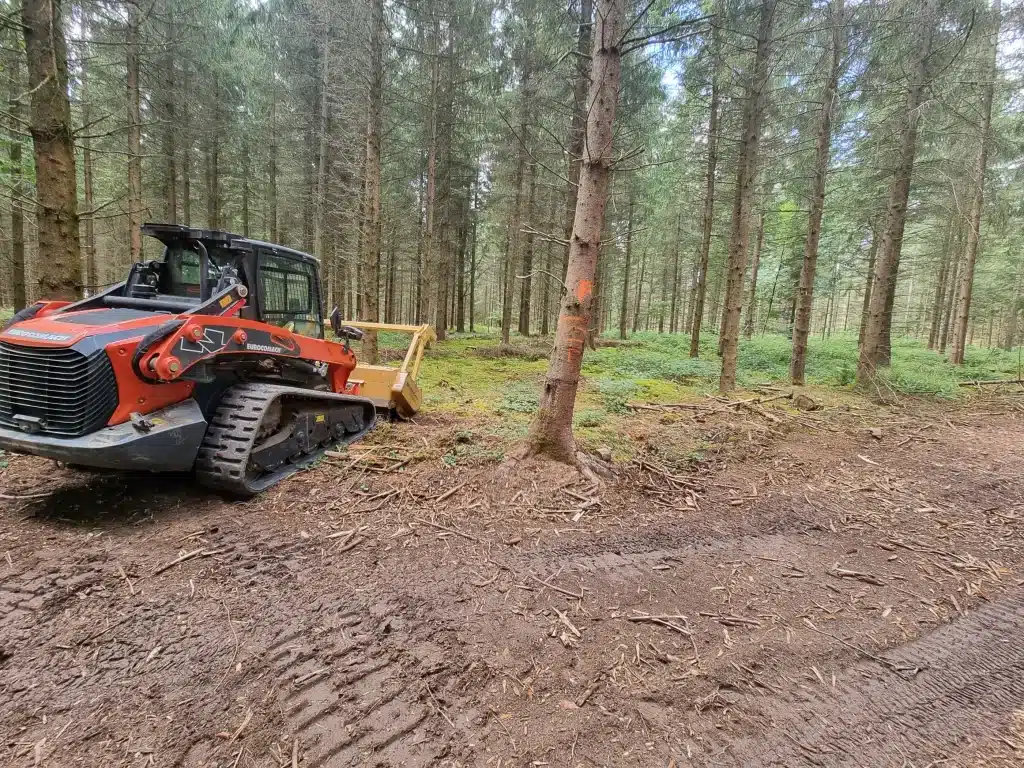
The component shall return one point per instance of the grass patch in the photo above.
(469, 375)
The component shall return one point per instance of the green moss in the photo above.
(461, 377)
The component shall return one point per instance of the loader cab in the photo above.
(197, 265)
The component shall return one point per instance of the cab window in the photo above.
(181, 273)
(288, 295)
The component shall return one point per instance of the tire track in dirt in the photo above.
(354, 688)
(971, 683)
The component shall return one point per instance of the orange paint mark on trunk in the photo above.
(584, 288)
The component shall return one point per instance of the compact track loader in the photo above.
(211, 359)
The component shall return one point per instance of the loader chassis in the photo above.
(212, 358)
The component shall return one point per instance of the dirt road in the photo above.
(830, 596)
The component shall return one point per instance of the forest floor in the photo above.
(756, 585)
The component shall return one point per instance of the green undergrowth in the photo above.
(498, 390)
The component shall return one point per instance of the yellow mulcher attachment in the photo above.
(394, 389)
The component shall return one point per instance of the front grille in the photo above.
(63, 391)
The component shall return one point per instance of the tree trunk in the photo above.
(272, 164)
(950, 310)
(751, 320)
(170, 149)
(134, 135)
(708, 211)
(213, 168)
(428, 292)
(578, 123)
(879, 319)
(691, 296)
(18, 191)
(186, 149)
(956, 355)
(868, 280)
(472, 283)
(92, 278)
(551, 430)
(545, 321)
(59, 268)
(664, 294)
(935, 318)
(1010, 322)
(460, 309)
(822, 153)
(526, 289)
(445, 193)
(639, 291)
(624, 308)
(245, 187)
(745, 176)
(372, 224)
(674, 303)
(322, 164)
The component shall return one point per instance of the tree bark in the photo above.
(879, 316)
(460, 311)
(708, 210)
(1010, 322)
(513, 235)
(664, 294)
(751, 319)
(935, 318)
(578, 122)
(673, 325)
(745, 175)
(639, 291)
(323, 148)
(186, 149)
(18, 192)
(956, 355)
(272, 164)
(551, 430)
(526, 288)
(134, 135)
(428, 292)
(445, 202)
(59, 268)
(868, 281)
(170, 149)
(472, 269)
(213, 167)
(511, 251)
(822, 154)
(950, 309)
(545, 321)
(372, 224)
(624, 308)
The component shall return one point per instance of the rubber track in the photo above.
(224, 454)
(971, 684)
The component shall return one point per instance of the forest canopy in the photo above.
(862, 159)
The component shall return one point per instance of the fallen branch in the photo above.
(351, 544)
(664, 621)
(867, 578)
(26, 496)
(449, 493)
(565, 592)
(583, 697)
(446, 529)
(565, 620)
(188, 556)
(990, 382)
